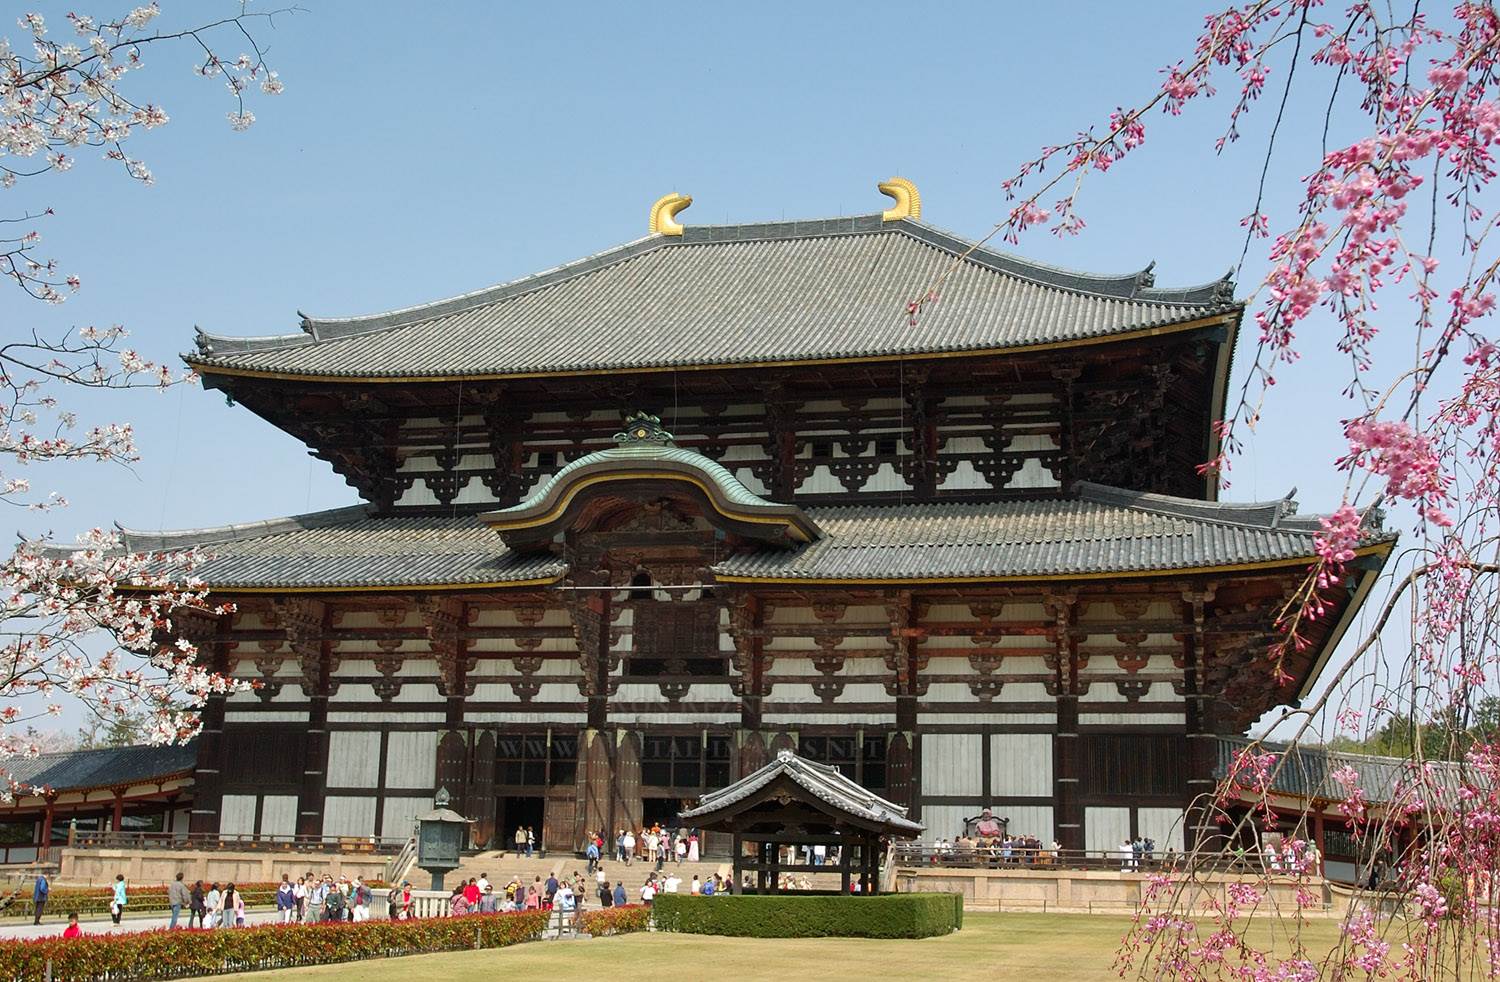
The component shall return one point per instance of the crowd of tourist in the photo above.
(651, 844)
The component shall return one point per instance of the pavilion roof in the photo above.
(821, 781)
(1095, 530)
(768, 293)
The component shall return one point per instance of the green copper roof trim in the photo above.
(646, 452)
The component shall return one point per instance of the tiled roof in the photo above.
(1101, 529)
(348, 547)
(109, 766)
(740, 294)
(1307, 771)
(822, 781)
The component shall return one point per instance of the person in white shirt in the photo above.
(599, 876)
(483, 883)
(648, 891)
(299, 895)
(695, 888)
(629, 846)
(673, 882)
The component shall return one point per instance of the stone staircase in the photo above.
(500, 866)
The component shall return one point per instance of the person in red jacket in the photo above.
(471, 893)
(72, 930)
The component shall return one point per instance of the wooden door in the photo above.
(560, 832)
(480, 798)
(627, 811)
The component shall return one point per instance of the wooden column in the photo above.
(1199, 825)
(118, 817)
(305, 623)
(905, 663)
(203, 631)
(1066, 762)
(746, 619)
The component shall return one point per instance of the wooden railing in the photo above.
(919, 855)
(215, 841)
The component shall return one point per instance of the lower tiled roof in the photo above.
(1099, 530)
(350, 547)
(104, 767)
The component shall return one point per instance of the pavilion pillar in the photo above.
(118, 818)
(305, 623)
(906, 662)
(1066, 762)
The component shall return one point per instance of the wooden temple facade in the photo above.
(634, 525)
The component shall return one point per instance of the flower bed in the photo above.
(62, 901)
(162, 954)
(605, 921)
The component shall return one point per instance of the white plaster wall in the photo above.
(348, 816)
(353, 759)
(278, 815)
(951, 764)
(1165, 825)
(1021, 764)
(411, 760)
(1105, 828)
(237, 814)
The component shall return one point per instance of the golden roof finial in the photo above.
(663, 212)
(905, 194)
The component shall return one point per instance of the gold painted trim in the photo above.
(664, 212)
(392, 588)
(577, 487)
(908, 200)
(1383, 548)
(1149, 332)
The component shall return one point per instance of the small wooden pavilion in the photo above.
(795, 802)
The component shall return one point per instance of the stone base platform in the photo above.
(92, 867)
(1089, 891)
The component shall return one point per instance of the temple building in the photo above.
(632, 525)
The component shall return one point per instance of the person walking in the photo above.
(592, 854)
(620, 899)
(286, 899)
(299, 900)
(520, 839)
(117, 906)
(39, 892)
(178, 898)
(234, 908)
(196, 905)
(211, 906)
(530, 842)
(680, 849)
(362, 899)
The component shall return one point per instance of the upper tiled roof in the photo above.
(1100, 530)
(737, 294)
(822, 781)
(105, 767)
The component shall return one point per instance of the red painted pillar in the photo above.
(47, 825)
(119, 811)
(1318, 839)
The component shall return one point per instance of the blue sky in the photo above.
(425, 150)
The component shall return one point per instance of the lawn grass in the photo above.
(1030, 947)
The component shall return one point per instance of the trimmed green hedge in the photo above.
(603, 922)
(894, 915)
(162, 954)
